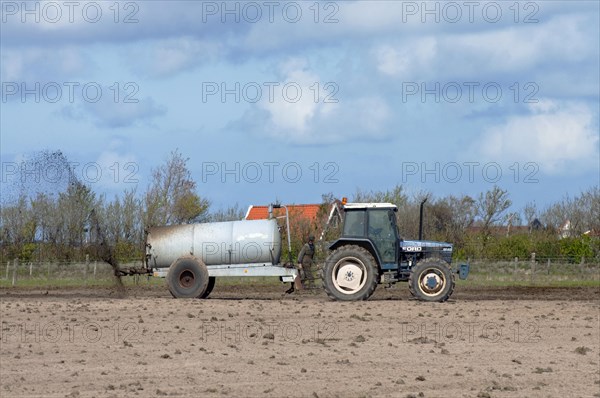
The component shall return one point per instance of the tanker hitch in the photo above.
(132, 271)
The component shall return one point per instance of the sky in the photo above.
(287, 101)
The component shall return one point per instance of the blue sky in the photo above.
(290, 100)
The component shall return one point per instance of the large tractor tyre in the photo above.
(209, 287)
(431, 280)
(188, 278)
(350, 274)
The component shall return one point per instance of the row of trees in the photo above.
(486, 226)
(68, 223)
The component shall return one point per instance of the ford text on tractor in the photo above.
(371, 252)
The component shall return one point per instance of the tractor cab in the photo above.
(374, 223)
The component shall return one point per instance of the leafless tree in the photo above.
(232, 213)
(74, 208)
(451, 216)
(492, 206)
(395, 196)
(17, 224)
(171, 197)
(581, 212)
(530, 212)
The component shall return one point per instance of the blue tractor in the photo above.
(370, 251)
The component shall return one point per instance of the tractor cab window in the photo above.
(382, 232)
(354, 224)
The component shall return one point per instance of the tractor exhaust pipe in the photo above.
(421, 218)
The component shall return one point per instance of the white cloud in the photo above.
(493, 53)
(407, 59)
(108, 113)
(294, 107)
(519, 47)
(320, 115)
(561, 137)
(42, 64)
(112, 114)
(170, 56)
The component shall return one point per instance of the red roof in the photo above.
(308, 211)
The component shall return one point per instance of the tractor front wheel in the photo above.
(431, 280)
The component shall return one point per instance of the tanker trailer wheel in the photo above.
(188, 278)
(350, 274)
(431, 280)
(209, 287)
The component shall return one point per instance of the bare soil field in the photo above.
(252, 341)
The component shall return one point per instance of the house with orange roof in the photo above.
(305, 211)
(318, 217)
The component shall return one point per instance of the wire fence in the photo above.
(78, 273)
(92, 272)
(532, 270)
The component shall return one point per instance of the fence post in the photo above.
(85, 269)
(532, 266)
(7, 267)
(14, 276)
(95, 266)
(548, 267)
(30, 269)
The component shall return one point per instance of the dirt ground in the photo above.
(250, 341)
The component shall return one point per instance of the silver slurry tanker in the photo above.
(188, 254)
(216, 243)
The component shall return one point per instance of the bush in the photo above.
(507, 248)
(544, 245)
(576, 248)
(27, 252)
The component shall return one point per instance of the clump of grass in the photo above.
(543, 370)
(582, 350)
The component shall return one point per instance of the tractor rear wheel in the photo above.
(350, 274)
(188, 278)
(431, 280)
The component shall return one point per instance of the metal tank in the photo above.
(219, 243)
